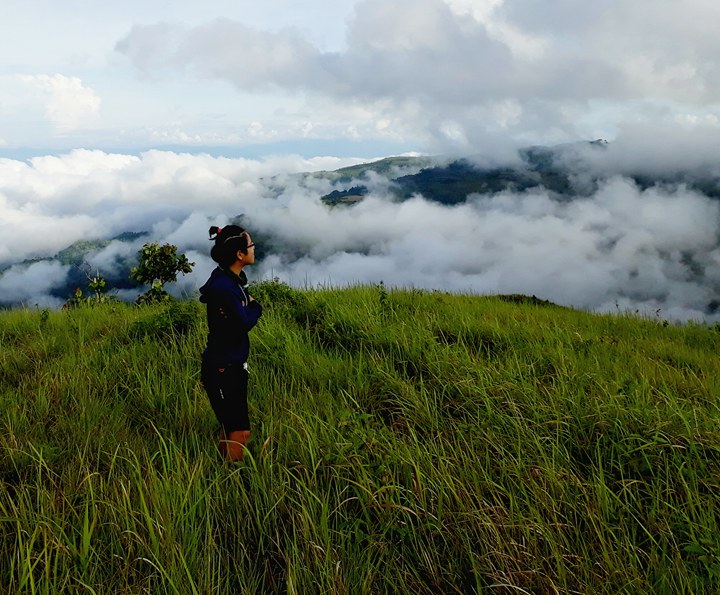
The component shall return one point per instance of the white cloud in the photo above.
(68, 103)
(660, 48)
(526, 69)
(391, 71)
(31, 284)
(53, 201)
(621, 244)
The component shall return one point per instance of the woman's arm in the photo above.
(237, 311)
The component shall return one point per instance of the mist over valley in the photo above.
(589, 225)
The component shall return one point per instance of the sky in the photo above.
(168, 117)
(351, 77)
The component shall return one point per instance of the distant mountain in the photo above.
(75, 253)
(451, 182)
(76, 256)
(391, 167)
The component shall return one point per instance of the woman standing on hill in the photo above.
(231, 313)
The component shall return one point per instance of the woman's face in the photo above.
(249, 256)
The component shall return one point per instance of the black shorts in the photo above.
(227, 389)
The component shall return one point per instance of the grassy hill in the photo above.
(403, 442)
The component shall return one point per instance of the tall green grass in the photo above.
(403, 442)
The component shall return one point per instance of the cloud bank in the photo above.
(397, 75)
(615, 246)
(457, 74)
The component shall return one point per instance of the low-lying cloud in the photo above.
(34, 281)
(616, 246)
(622, 247)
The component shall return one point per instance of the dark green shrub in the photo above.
(277, 294)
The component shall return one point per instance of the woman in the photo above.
(231, 313)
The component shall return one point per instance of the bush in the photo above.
(276, 294)
(175, 319)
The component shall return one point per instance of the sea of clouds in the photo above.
(617, 247)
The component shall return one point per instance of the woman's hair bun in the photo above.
(228, 240)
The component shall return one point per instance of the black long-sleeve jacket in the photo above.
(230, 315)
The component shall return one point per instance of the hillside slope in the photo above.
(403, 442)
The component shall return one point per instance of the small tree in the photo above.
(158, 265)
(97, 286)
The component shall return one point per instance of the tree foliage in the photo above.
(158, 265)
